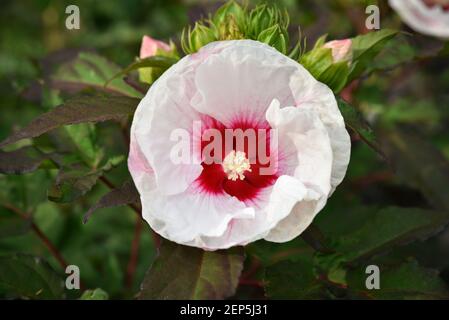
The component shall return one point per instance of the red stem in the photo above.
(50, 246)
(252, 283)
(253, 268)
(134, 257)
(136, 209)
(53, 250)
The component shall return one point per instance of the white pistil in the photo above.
(235, 164)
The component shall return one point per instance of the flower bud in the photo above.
(329, 62)
(230, 10)
(151, 47)
(275, 37)
(193, 40)
(264, 17)
(341, 49)
(259, 20)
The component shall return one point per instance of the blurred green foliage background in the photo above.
(412, 97)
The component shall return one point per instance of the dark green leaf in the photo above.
(77, 110)
(419, 164)
(181, 272)
(29, 277)
(269, 252)
(23, 160)
(160, 62)
(73, 183)
(84, 139)
(313, 237)
(366, 47)
(293, 280)
(396, 52)
(366, 43)
(387, 228)
(405, 281)
(354, 120)
(351, 219)
(126, 194)
(90, 70)
(80, 138)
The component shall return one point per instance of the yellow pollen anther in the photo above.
(235, 164)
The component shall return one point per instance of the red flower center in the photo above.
(229, 172)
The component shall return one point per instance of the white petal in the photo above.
(281, 198)
(301, 129)
(164, 109)
(433, 21)
(298, 220)
(341, 149)
(140, 169)
(230, 82)
(192, 214)
(315, 95)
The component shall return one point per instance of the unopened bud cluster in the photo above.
(232, 21)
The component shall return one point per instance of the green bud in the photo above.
(263, 17)
(228, 10)
(259, 19)
(229, 30)
(317, 60)
(193, 40)
(275, 37)
(320, 63)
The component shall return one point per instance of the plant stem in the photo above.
(46, 241)
(253, 268)
(252, 283)
(107, 182)
(53, 250)
(133, 259)
(136, 209)
(134, 254)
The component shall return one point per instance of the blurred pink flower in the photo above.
(429, 17)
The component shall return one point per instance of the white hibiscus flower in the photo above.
(241, 84)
